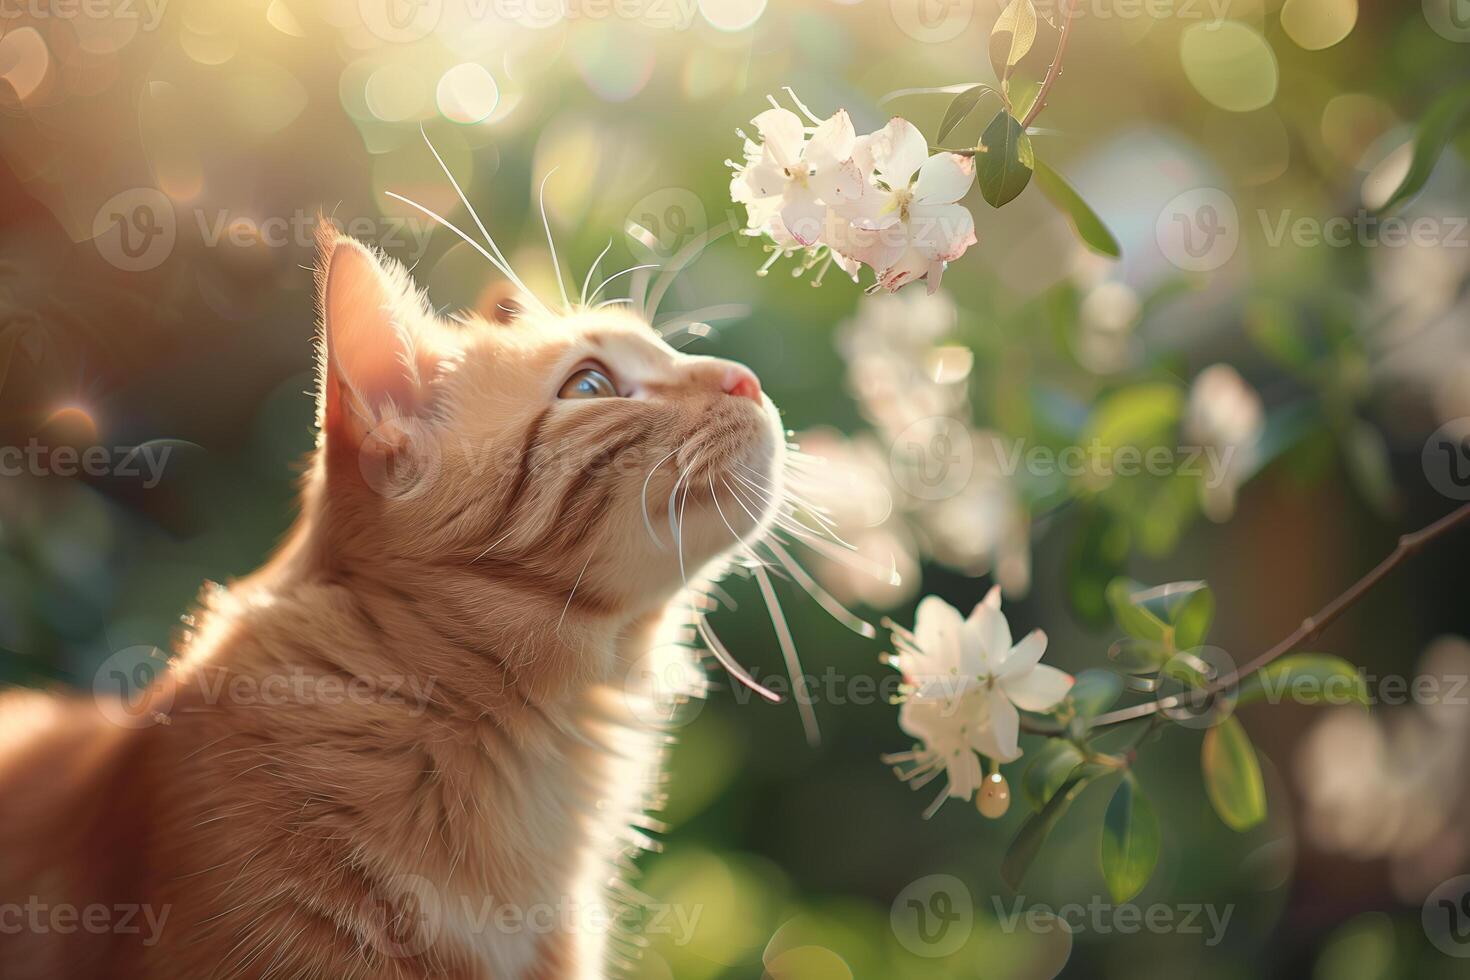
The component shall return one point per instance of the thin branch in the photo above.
(1054, 69)
(1310, 627)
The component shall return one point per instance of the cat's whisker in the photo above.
(731, 665)
(799, 689)
(824, 598)
(734, 534)
(643, 499)
(571, 594)
(619, 275)
(592, 270)
(498, 260)
(786, 516)
(492, 546)
(561, 283)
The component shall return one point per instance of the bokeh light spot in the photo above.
(732, 15)
(394, 93)
(1318, 24)
(468, 94)
(24, 60)
(1231, 65)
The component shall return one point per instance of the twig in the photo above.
(1054, 69)
(1310, 627)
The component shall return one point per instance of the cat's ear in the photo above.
(380, 358)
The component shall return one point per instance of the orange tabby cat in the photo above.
(411, 744)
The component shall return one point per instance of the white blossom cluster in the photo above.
(881, 200)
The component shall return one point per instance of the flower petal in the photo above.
(898, 151)
(763, 179)
(941, 232)
(833, 140)
(944, 178)
(937, 631)
(935, 273)
(1004, 729)
(838, 183)
(782, 132)
(1039, 689)
(1024, 655)
(994, 634)
(803, 215)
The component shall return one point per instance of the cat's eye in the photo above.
(588, 383)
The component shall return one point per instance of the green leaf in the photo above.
(1004, 160)
(1306, 678)
(1193, 619)
(1135, 656)
(1366, 454)
(1130, 841)
(1274, 327)
(1233, 775)
(1139, 415)
(1038, 826)
(1012, 36)
(1085, 222)
(1435, 131)
(1178, 613)
(1022, 94)
(1048, 769)
(1095, 691)
(960, 109)
(1132, 618)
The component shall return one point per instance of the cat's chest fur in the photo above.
(468, 825)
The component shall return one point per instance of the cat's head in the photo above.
(561, 452)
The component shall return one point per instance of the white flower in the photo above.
(985, 528)
(1226, 416)
(966, 680)
(892, 348)
(852, 482)
(910, 225)
(789, 181)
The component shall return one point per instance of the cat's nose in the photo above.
(740, 381)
